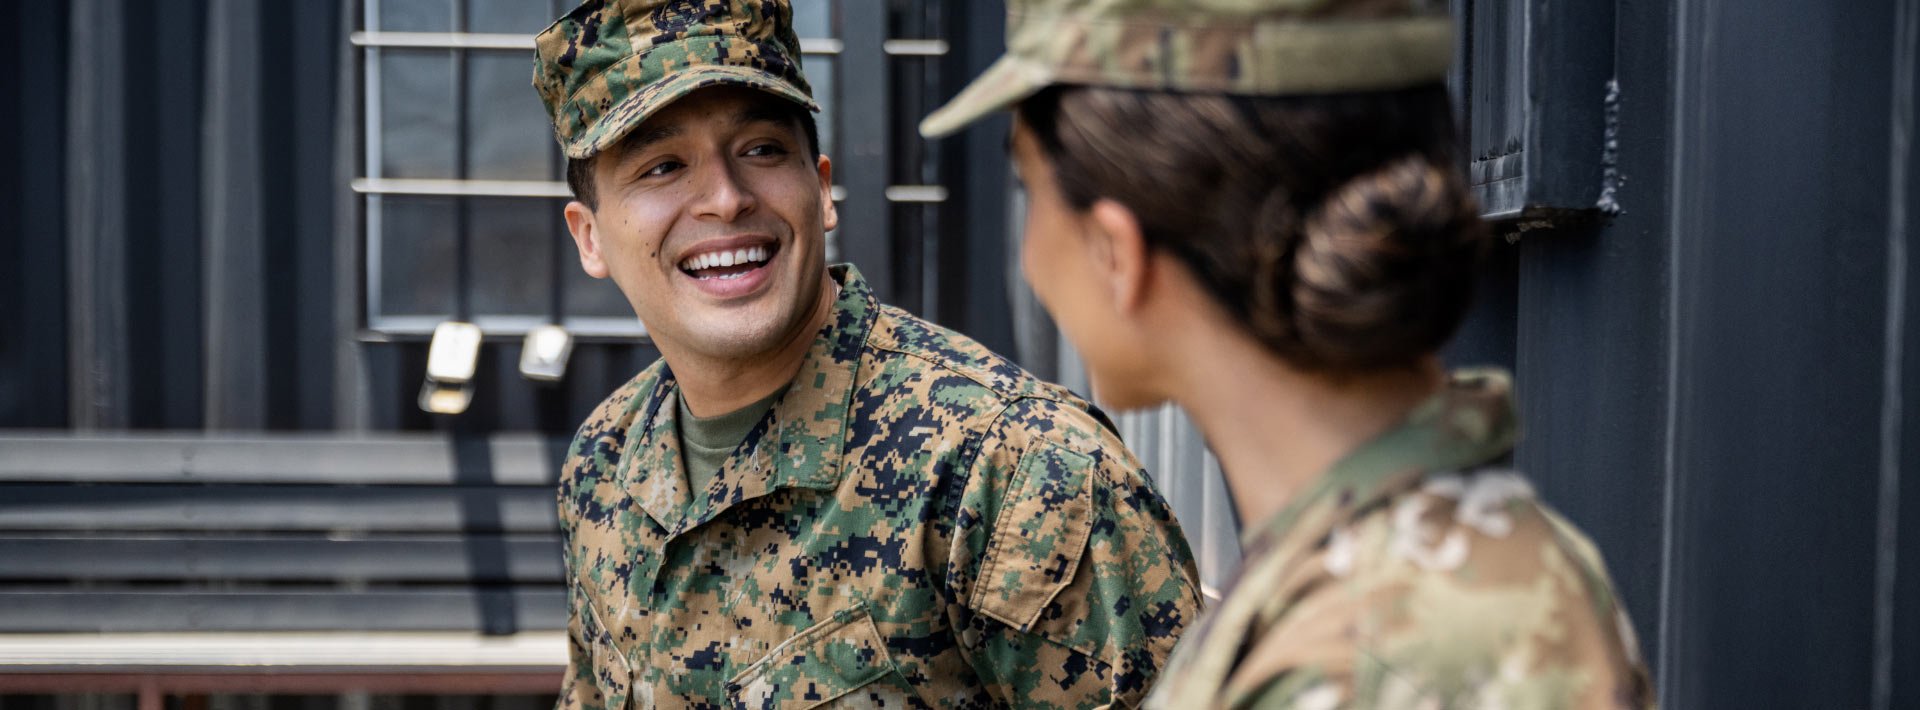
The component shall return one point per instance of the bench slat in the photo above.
(283, 652)
(427, 459)
(485, 609)
(470, 509)
(479, 558)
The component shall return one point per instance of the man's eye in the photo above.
(766, 149)
(665, 167)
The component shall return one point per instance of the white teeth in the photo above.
(709, 260)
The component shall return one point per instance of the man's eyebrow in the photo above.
(640, 141)
(762, 114)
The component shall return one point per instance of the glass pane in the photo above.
(416, 253)
(416, 16)
(521, 17)
(813, 19)
(416, 127)
(511, 248)
(821, 74)
(588, 297)
(509, 136)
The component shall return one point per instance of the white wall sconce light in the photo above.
(452, 358)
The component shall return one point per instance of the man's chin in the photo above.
(738, 334)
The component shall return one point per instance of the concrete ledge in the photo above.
(411, 653)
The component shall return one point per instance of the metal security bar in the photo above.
(382, 193)
(822, 46)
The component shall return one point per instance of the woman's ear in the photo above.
(1126, 261)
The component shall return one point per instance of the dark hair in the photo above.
(1336, 227)
(580, 170)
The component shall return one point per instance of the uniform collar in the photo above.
(798, 445)
(1470, 421)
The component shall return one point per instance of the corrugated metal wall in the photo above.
(1714, 379)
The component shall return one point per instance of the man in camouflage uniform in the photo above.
(904, 519)
(1418, 572)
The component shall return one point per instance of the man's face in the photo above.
(711, 218)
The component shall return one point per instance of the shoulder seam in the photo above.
(892, 346)
(1005, 396)
(956, 490)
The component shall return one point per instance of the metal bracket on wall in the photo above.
(1538, 101)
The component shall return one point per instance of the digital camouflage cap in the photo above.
(605, 67)
(1250, 47)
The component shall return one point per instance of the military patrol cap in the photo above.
(608, 65)
(1249, 47)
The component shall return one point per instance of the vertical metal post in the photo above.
(313, 50)
(97, 217)
(236, 370)
(866, 234)
(462, 123)
(975, 219)
(36, 375)
(150, 697)
(350, 389)
(1903, 123)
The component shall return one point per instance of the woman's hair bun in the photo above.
(1383, 267)
(1337, 228)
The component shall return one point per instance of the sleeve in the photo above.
(580, 687)
(1069, 573)
(596, 677)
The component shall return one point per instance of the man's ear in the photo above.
(1127, 262)
(829, 214)
(586, 236)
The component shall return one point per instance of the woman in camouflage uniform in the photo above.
(1252, 209)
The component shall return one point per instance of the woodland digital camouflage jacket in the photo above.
(1415, 574)
(916, 523)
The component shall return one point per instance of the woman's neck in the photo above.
(1276, 429)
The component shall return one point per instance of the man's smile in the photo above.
(732, 267)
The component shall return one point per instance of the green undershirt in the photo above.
(706, 442)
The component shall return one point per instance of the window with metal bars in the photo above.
(462, 181)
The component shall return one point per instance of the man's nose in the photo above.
(723, 196)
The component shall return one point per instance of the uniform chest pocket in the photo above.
(835, 662)
(1039, 537)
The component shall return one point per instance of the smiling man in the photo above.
(812, 498)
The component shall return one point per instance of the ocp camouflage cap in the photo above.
(608, 65)
(1250, 47)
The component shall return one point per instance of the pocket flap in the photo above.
(612, 679)
(1038, 537)
(828, 660)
